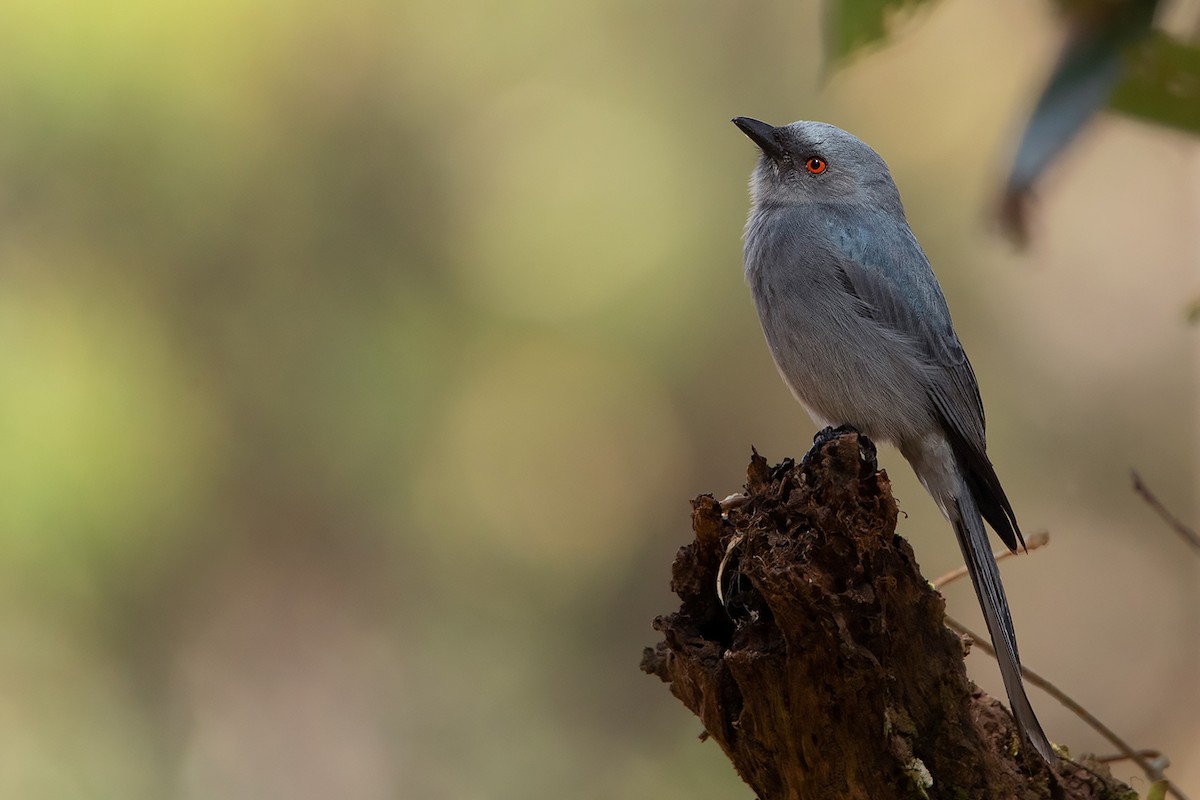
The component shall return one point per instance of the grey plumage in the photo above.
(860, 332)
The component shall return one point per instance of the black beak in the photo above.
(762, 134)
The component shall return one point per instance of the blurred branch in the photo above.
(1039, 539)
(1149, 755)
(1150, 761)
(1189, 535)
(823, 608)
(1152, 770)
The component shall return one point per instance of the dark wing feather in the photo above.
(983, 483)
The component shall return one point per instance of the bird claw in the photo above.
(867, 454)
(824, 437)
(866, 448)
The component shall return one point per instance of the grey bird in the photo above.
(861, 334)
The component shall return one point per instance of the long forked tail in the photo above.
(985, 575)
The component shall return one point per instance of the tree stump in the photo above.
(824, 668)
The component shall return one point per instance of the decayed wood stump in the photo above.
(826, 671)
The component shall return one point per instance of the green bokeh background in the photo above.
(358, 362)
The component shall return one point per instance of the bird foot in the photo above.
(824, 437)
(866, 448)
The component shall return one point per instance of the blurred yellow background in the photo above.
(359, 361)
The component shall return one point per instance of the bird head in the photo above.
(809, 162)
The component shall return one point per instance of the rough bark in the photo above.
(827, 671)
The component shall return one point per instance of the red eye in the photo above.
(815, 165)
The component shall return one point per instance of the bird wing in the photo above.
(881, 263)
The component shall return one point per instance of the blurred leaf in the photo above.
(1088, 68)
(1193, 311)
(856, 23)
(1161, 83)
(1158, 791)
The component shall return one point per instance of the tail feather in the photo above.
(985, 575)
(984, 486)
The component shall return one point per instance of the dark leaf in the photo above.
(1161, 83)
(853, 24)
(1090, 66)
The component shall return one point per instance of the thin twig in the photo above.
(1150, 755)
(1153, 772)
(734, 541)
(1035, 541)
(1189, 535)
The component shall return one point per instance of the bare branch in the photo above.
(1035, 541)
(1153, 771)
(1189, 535)
(1153, 756)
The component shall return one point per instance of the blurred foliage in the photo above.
(358, 362)
(1091, 63)
(855, 24)
(1162, 83)
(321, 326)
(1106, 60)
